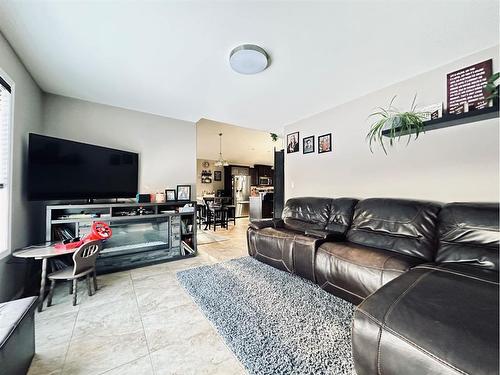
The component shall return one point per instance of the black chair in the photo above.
(200, 213)
(230, 213)
(216, 215)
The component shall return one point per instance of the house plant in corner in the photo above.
(391, 124)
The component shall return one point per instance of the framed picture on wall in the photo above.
(324, 143)
(170, 194)
(183, 192)
(217, 176)
(292, 142)
(308, 145)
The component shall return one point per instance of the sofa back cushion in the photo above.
(407, 227)
(468, 233)
(341, 212)
(306, 213)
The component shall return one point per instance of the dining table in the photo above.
(43, 252)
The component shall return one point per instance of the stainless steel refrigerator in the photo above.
(241, 195)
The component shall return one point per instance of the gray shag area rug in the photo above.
(274, 322)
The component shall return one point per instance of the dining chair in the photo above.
(230, 213)
(215, 214)
(84, 265)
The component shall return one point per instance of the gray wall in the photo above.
(166, 147)
(27, 225)
(453, 164)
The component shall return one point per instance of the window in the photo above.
(5, 156)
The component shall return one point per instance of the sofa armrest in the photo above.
(325, 235)
(266, 223)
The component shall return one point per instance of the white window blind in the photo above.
(5, 151)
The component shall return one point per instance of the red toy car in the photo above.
(99, 231)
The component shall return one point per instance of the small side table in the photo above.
(43, 252)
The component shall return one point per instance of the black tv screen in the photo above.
(60, 169)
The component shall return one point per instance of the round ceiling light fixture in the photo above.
(248, 59)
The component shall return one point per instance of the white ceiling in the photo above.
(240, 146)
(171, 57)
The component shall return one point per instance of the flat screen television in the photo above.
(60, 169)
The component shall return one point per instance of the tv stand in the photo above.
(143, 233)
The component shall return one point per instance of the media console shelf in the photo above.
(143, 233)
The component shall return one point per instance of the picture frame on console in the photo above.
(324, 143)
(292, 142)
(308, 145)
(184, 193)
(170, 194)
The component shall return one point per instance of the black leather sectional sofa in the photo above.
(424, 276)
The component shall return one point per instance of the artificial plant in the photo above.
(491, 88)
(391, 124)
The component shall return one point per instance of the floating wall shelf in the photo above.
(453, 120)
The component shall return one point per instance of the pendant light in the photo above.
(221, 162)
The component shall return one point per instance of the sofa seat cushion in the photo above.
(354, 271)
(285, 249)
(439, 319)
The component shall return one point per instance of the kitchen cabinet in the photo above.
(264, 170)
(240, 171)
(254, 179)
(264, 173)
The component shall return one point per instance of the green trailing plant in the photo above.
(274, 137)
(491, 88)
(396, 123)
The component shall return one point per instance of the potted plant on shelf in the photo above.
(491, 88)
(391, 124)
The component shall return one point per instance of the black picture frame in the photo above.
(170, 192)
(308, 145)
(322, 149)
(181, 195)
(217, 175)
(292, 142)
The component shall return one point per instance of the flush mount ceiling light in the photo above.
(248, 59)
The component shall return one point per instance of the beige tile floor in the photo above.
(139, 322)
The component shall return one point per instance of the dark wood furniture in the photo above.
(216, 212)
(216, 215)
(144, 233)
(279, 183)
(254, 179)
(230, 213)
(264, 170)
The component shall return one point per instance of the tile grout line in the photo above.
(71, 338)
(142, 324)
(123, 364)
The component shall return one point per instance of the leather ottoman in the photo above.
(17, 335)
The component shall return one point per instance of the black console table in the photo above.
(143, 233)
